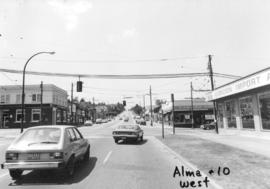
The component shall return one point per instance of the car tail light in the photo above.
(12, 156)
(56, 155)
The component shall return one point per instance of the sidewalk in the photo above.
(255, 144)
(9, 133)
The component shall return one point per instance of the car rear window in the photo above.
(135, 127)
(40, 135)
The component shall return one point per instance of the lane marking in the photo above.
(107, 157)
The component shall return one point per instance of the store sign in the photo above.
(73, 108)
(187, 116)
(251, 82)
(209, 116)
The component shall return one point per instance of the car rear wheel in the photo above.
(141, 138)
(70, 167)
(15, 174)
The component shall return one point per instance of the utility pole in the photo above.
(41, 101)
(172, 98)
(144, 105)
(191, 100)
(151, 111)
(212, 88)
(162, 124)
(94, 110)
(71, 103)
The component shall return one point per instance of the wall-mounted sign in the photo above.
(248, 83)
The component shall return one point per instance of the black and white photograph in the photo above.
(134, 94)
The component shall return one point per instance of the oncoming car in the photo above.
(128, 132)
(46, 147)
(88, 123)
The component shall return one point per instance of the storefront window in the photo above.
(182, 118)
(220, 115)
(265, 110)
(19, 115)
(58, 116)
(231, 113)
(246, 111)
(64, 116)
(35, 115)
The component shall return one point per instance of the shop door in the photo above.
(54, 116)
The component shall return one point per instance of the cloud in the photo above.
(71, 10)
(129, 33)
(125, 34)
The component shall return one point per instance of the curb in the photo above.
(178, 156)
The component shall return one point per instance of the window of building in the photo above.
(264, 100)
(19, 115)
(34, 97)
(35, 115)
(2, 100)
(220, 115)
(231, 113)
(182, 117)
(39, 97)
(246, 111)
(7, 98)
(18, 99)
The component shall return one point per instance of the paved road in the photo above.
(112, 166)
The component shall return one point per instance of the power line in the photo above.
(111, 61)
(93, 76)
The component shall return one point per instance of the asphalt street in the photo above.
(143, 165)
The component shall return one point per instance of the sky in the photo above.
(132, 37)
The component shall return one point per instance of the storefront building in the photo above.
(202, 113)
(243, 106)
(52, 110)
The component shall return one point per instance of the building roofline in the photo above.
(33, 85)
(242, 78)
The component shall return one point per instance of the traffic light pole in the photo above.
(151, 110)
(172, 98)
(191, 99)
(71, 102)
(41, 101)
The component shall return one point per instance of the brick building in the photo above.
(53, 108)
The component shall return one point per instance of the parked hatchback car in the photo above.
(208, 126)
(128, 132)
(46, 147)
(98, 121)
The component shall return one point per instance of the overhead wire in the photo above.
(112, 60)
(141, 76)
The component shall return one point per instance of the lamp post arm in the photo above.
(33, 57)
(23, 84)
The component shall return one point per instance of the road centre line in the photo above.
(107, 157)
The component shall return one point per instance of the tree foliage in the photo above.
(137, 109)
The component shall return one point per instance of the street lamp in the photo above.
(23, 95)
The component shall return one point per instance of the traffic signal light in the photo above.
(124, 103)
(79, 86)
